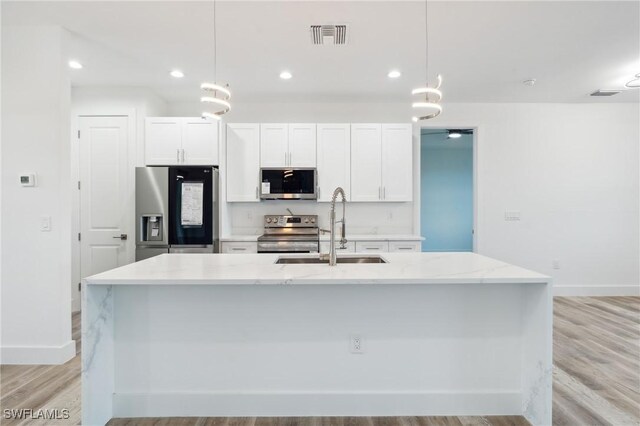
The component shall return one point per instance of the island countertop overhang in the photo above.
(261, 269)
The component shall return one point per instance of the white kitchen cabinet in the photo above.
(199, 142)
(274, 145)
(239, 247)
(163, 141)
(302, 145)
(287, 145)
(372, 246)
(181, 140)
(366, 162)
(334, 159)
(381, 162)
(397, 162)
(405, 246)
(243, 162)
(350, 247)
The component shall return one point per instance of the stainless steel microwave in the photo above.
(288, 183)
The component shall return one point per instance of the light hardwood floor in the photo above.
(596, 378)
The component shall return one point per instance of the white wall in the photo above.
(572, 172)
(135, 102)
(36, 266)
(570, 169)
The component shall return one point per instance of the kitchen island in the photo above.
(239, 335)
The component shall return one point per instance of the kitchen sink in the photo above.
(342, 259)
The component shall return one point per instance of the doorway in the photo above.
(447, 189)
(105, 200)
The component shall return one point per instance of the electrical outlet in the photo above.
(357, 344)
(390, 215)
(555, 264)
(250, 215)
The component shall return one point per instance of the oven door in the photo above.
(288, 247)
(288, 183)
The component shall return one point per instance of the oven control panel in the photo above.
(285, 221)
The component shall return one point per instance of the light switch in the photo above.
(45, 223)
(511, 215)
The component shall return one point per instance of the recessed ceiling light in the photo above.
(394, 74)
(176, 74)
(75, 65)
(285, 75)
(529, 82)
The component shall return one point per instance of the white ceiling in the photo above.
(484, 50)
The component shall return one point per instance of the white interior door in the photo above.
(106, 240)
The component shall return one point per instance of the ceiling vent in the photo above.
(329, 34)
(605, 92)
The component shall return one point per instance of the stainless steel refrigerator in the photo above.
(176, 210)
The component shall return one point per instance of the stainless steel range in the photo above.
(290, 234)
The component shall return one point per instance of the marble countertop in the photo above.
(231, 269)
(350, 237)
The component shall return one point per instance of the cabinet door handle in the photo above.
(177, 156)
(182, 153)
(379, 193)
(384, 192)
(372, 248)
(405, 248)
(256, 192)
(238, 248)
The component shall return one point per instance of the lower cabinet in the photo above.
(405, 246)
(372, 246)
(350, 247)
(239, 247)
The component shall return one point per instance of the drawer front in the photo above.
(405, 246)
(372, 246)
(351, 247)
(239, 247)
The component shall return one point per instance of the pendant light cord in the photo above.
(215, 45)
(426, 41)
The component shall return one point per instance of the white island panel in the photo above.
(463, 346)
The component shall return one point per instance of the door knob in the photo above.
(122, 237)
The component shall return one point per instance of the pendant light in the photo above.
(635, 83)
(427, 99)
(215, 96)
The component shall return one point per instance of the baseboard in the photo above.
(48, 355)
(286, 404)
(600, 290)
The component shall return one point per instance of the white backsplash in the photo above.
(362, 218)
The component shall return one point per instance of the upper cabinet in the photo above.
(334, 159)
(243, 162)
(178, 140)
(381, 162)
(366, 171)
(287, 145)
(397, 162)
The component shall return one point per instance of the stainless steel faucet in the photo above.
(332, 226)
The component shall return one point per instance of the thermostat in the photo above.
(28, 180)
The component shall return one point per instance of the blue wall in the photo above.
(446, 193)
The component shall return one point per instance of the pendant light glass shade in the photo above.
(635, 83)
